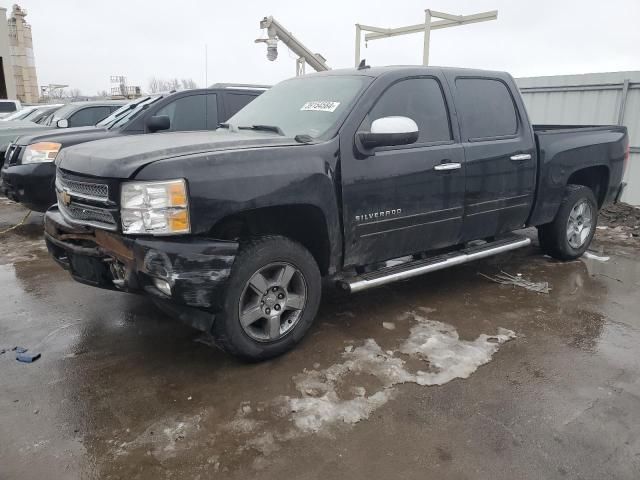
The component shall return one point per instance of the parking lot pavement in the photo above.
(416, 380)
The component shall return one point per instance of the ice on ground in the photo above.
(165, 438)
(389, 325)
(449, 357)
(596, 257)
(437, 344)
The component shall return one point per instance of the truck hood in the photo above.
(68, 136)
(8, 135)
(122, 157)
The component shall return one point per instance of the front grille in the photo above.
(87, 214)
(85, 201)
(12, 154)
(83, 189)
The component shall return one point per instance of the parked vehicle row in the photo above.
(28, 173)
(326, 175)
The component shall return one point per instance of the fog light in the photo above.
(163, 286)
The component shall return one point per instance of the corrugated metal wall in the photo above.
(592, 98)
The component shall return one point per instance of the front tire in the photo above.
(271, 300)
(569, 235)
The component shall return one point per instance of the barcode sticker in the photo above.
(320, 106)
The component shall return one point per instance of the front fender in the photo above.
(226, 183)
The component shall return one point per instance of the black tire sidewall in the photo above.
(558, 239)
(252, 257)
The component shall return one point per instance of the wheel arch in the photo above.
(595, 177)
(303, 222)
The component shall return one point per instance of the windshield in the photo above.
(128, 112)
(60, 113)
(312, 106)
(35, 113)
(41, 116)
(20, 114)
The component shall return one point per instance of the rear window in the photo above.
(7, 107)
(486, 108)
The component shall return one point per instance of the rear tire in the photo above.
(271, 300)
(569, 235)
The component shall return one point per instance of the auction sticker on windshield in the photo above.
(320, 106)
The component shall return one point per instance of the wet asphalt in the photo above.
(122, 391)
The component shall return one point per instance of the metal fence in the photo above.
(588, 99)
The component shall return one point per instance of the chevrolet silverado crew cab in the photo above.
(327, 175)
(29, 172)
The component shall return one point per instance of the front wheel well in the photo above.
(306, 224)
(595, 178)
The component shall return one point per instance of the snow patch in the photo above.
(437, 344)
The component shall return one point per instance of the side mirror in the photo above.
(157, 123)
(62, 123)
(389, 132)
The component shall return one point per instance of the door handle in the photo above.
(520, 157)
(447, 166)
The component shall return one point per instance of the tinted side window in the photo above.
(486, 108)
(421, 100)
(212, 111)
(88, 116)
(186, 113)
(234, 102)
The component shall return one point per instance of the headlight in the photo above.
(157, 208)
(41, 152)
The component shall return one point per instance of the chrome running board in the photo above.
(418, 267)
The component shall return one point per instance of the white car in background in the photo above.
(7, 107)
(30, 112)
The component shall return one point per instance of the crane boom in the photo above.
(275, 32)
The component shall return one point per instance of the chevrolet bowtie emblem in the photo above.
(66, 198)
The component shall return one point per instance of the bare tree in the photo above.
(103, 94)
(58, 93)
(174, 84)
(189, 83)
(74, 93)
(156, 84)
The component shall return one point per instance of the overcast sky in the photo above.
(82, 43)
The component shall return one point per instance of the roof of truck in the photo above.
(410, 69)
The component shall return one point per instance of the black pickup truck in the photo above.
(29, 172)
(327, 175)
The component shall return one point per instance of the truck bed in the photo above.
(563, 149)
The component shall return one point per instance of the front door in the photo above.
(405, 199)
(500, 158)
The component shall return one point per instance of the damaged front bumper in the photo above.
(187, 275)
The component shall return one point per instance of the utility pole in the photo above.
(445, 20)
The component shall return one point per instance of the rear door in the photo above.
(403, 199)
(500, 156)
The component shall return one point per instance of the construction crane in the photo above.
(275, 32)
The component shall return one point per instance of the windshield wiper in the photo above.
(264, 128)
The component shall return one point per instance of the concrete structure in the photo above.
(588, 99)
(24, 66)
(7, 81)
